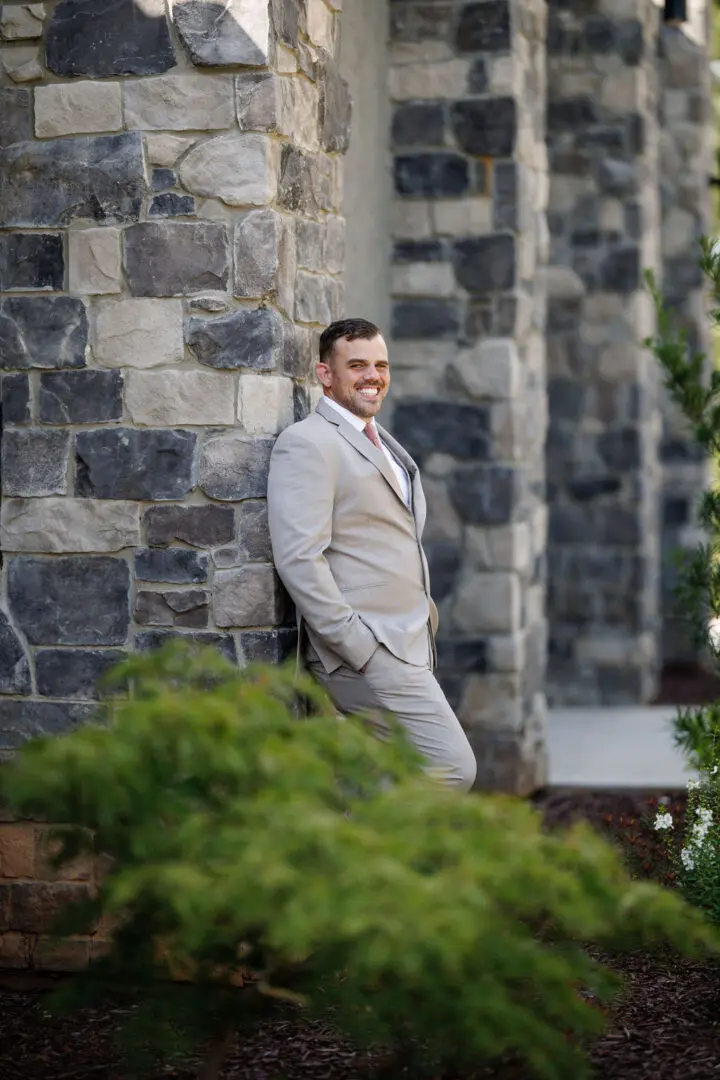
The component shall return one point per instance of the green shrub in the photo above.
(261, 856)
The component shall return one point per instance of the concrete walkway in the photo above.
(617, 747)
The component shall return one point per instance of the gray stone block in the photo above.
(444, 561)
(425, 319)
(227, 34)
(42, 332)
(74, 673)
(23, 720)
(484, 27)
(621, 449)
(176, 259)
(620, 270)
(418, 123)
(76, 600)
(466, 656)
(422, 22)
(486, 494)
(245, 339)
(268, 646)
(335, 108)
(173, 565)
(258, 101)
(15, 400)
(248, 596)
(176, 607)
(80, 397)
(15, 125)
(205, 526)
(305, 184)
(14, 664)
(109, 37)
(431, 175)
(57, 181)
(233, 467)
(34, 462)
(254, 532)
(31, 261)
(478, 79)
(617, 177)
(156, 639)
(125, 463)
(265, 257)
(505, 196)
(163, 178)
(316, 298)
(170, 204)
(485, 263)
(426, 427)
(485, 127)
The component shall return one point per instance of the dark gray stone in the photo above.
(598, 34)
(484, 27)
(630, 40)
(305, 183)
(571, 114)
(485, 127)
(74, 673)
(108, 37)
(254, 532)
(409, 251)
(286, 20)
(571, 524)
(248, 338)
(14, 664)
(617, 177)
(15, 125)
(431, 175)
(420, 22)
(335, 108)
(302, 405)
(478, 79)
(466, 655)
(24, 720)
(567, 399)
(235, 467)
(444, 562)
(505, 195)
(15, 400)
(34, 462)
(176, 565)
(486, 494)
(205, 526)
(42, 332)
(486, 263)
(75, 600)
(162, 179)
(176, 607)
(127, 463)
(681, 274)
(155, 639)
(80, 397)
(170, 204)
(426, 427)
(425, 319)
(56, 181)
(621, 449)
(214, 35)
(268, 646)
(620, 270)
(31, 261)
(176, 259)
(592, 487)
(419, 123)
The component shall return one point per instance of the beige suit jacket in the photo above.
(346, 546)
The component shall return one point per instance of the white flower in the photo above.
(714, 770)
(700, 831)
(693, 785)
(663, 821)
(687, 859)
(705, 815)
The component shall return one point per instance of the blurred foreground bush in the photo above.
(253, 855)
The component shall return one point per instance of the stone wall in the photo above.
(467, 84)
(686, 163)
(604, 476)
(171, 245)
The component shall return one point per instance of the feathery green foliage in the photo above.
(254, 856)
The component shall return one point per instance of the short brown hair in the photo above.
(345, 328)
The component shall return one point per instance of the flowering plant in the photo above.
(698, 848)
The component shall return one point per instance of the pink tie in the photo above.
(371, 431)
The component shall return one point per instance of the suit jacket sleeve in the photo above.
(301, 492)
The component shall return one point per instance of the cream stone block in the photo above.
(22, 21)
(506, 75)
(54, 525)
(493, 702)
(138, 332)
(411, 219)
(679, 233)
(489, 370)
(170, 398)
(562, 283)
(164, 150)
(500, 547)
(428, 51)
(95, 261)
(186, 102)
(238, 169)
(320, 24)
(487, 604)
(21, 65)
(442, 80)
(285, 60)
(265, 403)
(77, 108)
(619, 362)
(507, 652)
(462, 217)
(423, 279)
(612, 215)
(624, 90)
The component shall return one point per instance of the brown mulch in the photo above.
(667, 1026)
(687, 684)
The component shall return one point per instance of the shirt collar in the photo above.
(357, 422)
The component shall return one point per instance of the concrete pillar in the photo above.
(467, 84)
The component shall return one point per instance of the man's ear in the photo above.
(323, 373)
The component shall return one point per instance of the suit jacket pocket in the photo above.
(363, 588)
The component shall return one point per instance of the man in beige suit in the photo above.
(347, 512)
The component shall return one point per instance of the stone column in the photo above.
(603, 465)
(686, 163)
(469, 231)
(171, 244)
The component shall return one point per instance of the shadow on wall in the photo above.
(100, 38)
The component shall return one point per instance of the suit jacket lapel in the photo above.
(363, 445)
(418, 496)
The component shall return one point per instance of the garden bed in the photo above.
(668, 1025)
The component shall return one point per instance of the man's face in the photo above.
(357, 375)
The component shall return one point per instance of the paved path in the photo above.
(625, 747)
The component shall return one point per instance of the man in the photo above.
(347, 512)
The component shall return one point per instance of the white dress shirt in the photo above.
(359, 424)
